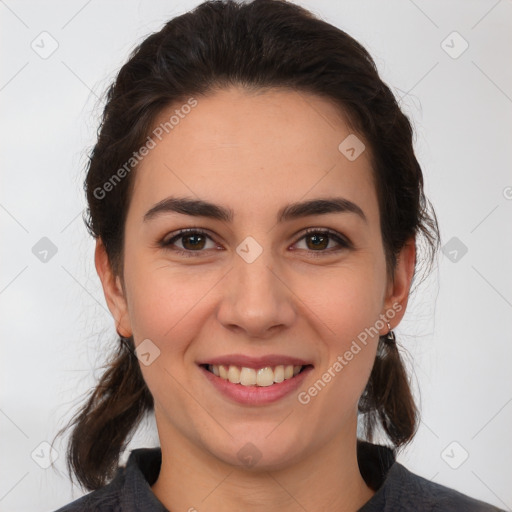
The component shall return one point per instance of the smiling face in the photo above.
(271, 272)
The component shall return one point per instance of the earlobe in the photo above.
(399, 288)
(112, 289)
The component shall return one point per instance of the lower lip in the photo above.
(256, 395)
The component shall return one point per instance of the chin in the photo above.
(258, 452)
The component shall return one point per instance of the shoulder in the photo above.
(128, 490)
(399, 490)
(105, 499)
(404, 490)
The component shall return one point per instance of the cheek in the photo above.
(164, 299)
(345, 309)
(167, 306)
(345, 300)
(349, 337)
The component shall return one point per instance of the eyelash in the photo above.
(342, 241)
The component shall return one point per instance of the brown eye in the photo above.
(318, 241)
(188, 242)
(193, 242)
(321, 241)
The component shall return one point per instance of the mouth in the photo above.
(256, 377)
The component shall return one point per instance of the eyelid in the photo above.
(342, 241)
(185, 231)
(165, 242)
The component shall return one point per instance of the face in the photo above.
(257, 281)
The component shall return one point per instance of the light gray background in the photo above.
(457, 331)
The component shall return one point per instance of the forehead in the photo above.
(249, 148)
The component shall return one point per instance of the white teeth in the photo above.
(279, 373)
(265, 377)
(234, 374)
(251, 377)
(247, 377)
(223, 373)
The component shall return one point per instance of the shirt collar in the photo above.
(143, 467)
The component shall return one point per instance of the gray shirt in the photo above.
(397, 488)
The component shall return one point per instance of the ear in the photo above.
(399, 287)
(114, 294)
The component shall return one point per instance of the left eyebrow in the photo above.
(201, 208)
(319, 207)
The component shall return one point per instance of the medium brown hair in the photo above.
(256, 45)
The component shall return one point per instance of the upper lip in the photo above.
(255, 362)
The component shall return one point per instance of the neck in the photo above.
(328, 479)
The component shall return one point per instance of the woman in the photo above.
(256, 204)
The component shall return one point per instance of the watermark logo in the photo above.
(249, 455)
(454, 249)
(147, 352)
(44, 455)
(454, 45)
(352, 147)
(138, 156)
(304, 397)
(45, 45)
(455, 455)
(249, 250)
(44, 250)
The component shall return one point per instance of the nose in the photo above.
(256, 299)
